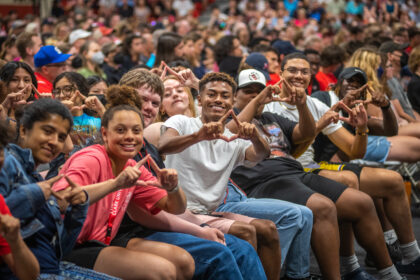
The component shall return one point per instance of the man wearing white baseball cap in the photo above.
(78, 37)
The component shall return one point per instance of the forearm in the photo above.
(358, 148)
(25, 265)
(99, 190)
(390, 124)
(176, 202)
(176, 144)
(246, 115)
(307, 124)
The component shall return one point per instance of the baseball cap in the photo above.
(259, 62)
(250, 76)
(350, 72)
(78, 34)
(49, 54)
(284, 47)
(391, 46)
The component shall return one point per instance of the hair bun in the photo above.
(123, 95)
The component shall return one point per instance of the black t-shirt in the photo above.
(278, 131)
(413, 92)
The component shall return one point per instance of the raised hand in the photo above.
(186, 77)
(333, 116)
(353, 95)
(270, 94)
(296, 95)
(46, 187)
(75, 195)
(130, 176)
(246, 130)
(9, 228)
(378, 98)
(357, 116)
(167, 177)
(15, 98)
(93, 103)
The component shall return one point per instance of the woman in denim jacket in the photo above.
(43, 128)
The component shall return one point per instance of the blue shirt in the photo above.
(46, 234)
(86, 124)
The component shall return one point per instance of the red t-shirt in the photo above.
(4, 246)
(326, 81)
(92, 165)
(44, 86)
(274, 78)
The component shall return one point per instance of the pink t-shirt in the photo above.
(92, 165)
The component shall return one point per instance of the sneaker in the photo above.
(358, 274)
(411, 268)
(393, 250)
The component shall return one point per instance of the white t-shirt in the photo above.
(317, 108)
(204, 168)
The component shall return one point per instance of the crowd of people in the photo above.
(138, 141)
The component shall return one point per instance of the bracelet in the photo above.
(204, 225)
(387, 106)
(174, 189)
(362, 133)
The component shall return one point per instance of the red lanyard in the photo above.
(112, 215)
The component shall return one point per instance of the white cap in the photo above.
(250, 76)
(78, 34)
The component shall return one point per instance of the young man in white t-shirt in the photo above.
(206, 153)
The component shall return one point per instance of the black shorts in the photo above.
(337, 166)
(297, 188)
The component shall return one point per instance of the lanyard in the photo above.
(112, 215)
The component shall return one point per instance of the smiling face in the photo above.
(215, 99)
(352, 83)
(45, 138)
(175, 99)
(98, 89)
(150, 104)
(19, 81)
(123, 137)
(297, 72)
(244, 95)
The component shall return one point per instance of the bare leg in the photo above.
(133, 264)
(404, 148)
(410, 129)
(268, 247)
(389, 185)
(183, 261)
(349, 179)
(357, 207)
(385, 223)
(325, 235)
(244, 231)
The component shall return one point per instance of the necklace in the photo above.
(285, 107)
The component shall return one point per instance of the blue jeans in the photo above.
(293, 222)
(237, 260)
(71, 271)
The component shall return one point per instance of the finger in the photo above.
(78, 93)
(148, 183)
(222, 137)
(35, 89)
(361, 88)
(235, 118)
(234, 137)
(163, 75)
(284, 99)
(53, 180)
(279, 82)
(344, 107)
(345, 119)
(224, 118)
(71, 183)
(288, 86)
(221, 236)
(155, 167)
(173, 72)
(57, 195)
(141, 162)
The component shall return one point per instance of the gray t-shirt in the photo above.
(204, 168)
(398, 93)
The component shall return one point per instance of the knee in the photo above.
(244, 231)
(364, 204)
(349, 179)
(166, 271)
(266, 232)
(184, 264)
(322, 208)
(393, 182)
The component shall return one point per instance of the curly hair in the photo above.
(215, 77)
(223, 47)
(122, 95)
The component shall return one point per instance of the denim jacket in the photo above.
(18, 185)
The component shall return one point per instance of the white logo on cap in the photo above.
(57, 50)
(254, 76)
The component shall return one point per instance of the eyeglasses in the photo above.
(65, 91)
(294, 70)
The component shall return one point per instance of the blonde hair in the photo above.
(162, 116)
(414, 60)
(368, 60)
